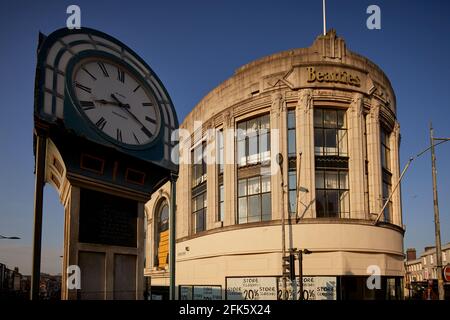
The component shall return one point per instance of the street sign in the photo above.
(447, 273)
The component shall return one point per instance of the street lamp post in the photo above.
(437, 226)
(279, 160)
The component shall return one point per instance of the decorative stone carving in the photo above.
(305, 100)
(358, 104)
(375, 112)
(277, 103)
(396, 129)
(228, 118)
(330, 45)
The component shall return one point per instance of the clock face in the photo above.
(116, 101)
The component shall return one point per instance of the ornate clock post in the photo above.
(103, 124)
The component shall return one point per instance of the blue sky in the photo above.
(194, 45)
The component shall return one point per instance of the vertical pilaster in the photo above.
(72, 213)
(374, 157)
(229, 169)
(305, 146)
(149, 240)
(211, 181)
(356, 157)
(184, 184)
(275, 148)
(395, 165)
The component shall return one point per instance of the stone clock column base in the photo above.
(107, 272)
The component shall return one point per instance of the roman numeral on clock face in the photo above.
(136, 139)
(150, 119)
(90, 74)
(120, 75)
(101, 123)
(102, 67)
(147, 133)
(84, 88)
(119, 135)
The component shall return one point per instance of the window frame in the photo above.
(247, 196)
(326, 190)
(324, 128)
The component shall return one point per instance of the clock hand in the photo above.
(118, 101)
(126, 107)
(103, 101)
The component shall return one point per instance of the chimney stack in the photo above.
(411, 254)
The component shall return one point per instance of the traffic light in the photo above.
(289, 266)
(292, 266)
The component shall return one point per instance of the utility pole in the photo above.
(437, 226)
(284, 261)
(300, 274)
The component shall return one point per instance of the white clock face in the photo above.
(115, 101)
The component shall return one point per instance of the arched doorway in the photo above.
(162, 235)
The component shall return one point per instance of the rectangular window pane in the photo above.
(221, 192)
(199, 202)
(242, 187)
(291, 142)
(331, 142)
(221, 211)
(266, 204)
(200, 223)
(252, 126)
(221, 202)
(318, 120)
(292, 180)
(264, 145)
(343, 180)
(388, 159)
(342, 122)
(265, 122)
(241, 153)
(241, 131)
(318, 142)
(330, 118)
(265, 183)
(254, 206)
(252, 148)
(219, 148)
(331, 180)
(292, 201)
(254, 186)
(320, 178)
(332, 203)
(342, 137)
(320, 203)
(291, 119)
(344, 204)
(242, 207)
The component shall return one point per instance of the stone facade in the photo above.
(326, 75)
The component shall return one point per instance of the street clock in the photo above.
(103, 138)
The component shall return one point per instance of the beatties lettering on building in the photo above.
(338, 77)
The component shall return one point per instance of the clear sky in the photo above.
(194, 45)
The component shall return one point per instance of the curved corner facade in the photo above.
(331, 115)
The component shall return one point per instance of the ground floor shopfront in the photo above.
(270, 288)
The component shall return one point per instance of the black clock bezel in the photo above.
(101, 55)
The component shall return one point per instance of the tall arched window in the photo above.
(162, 235)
